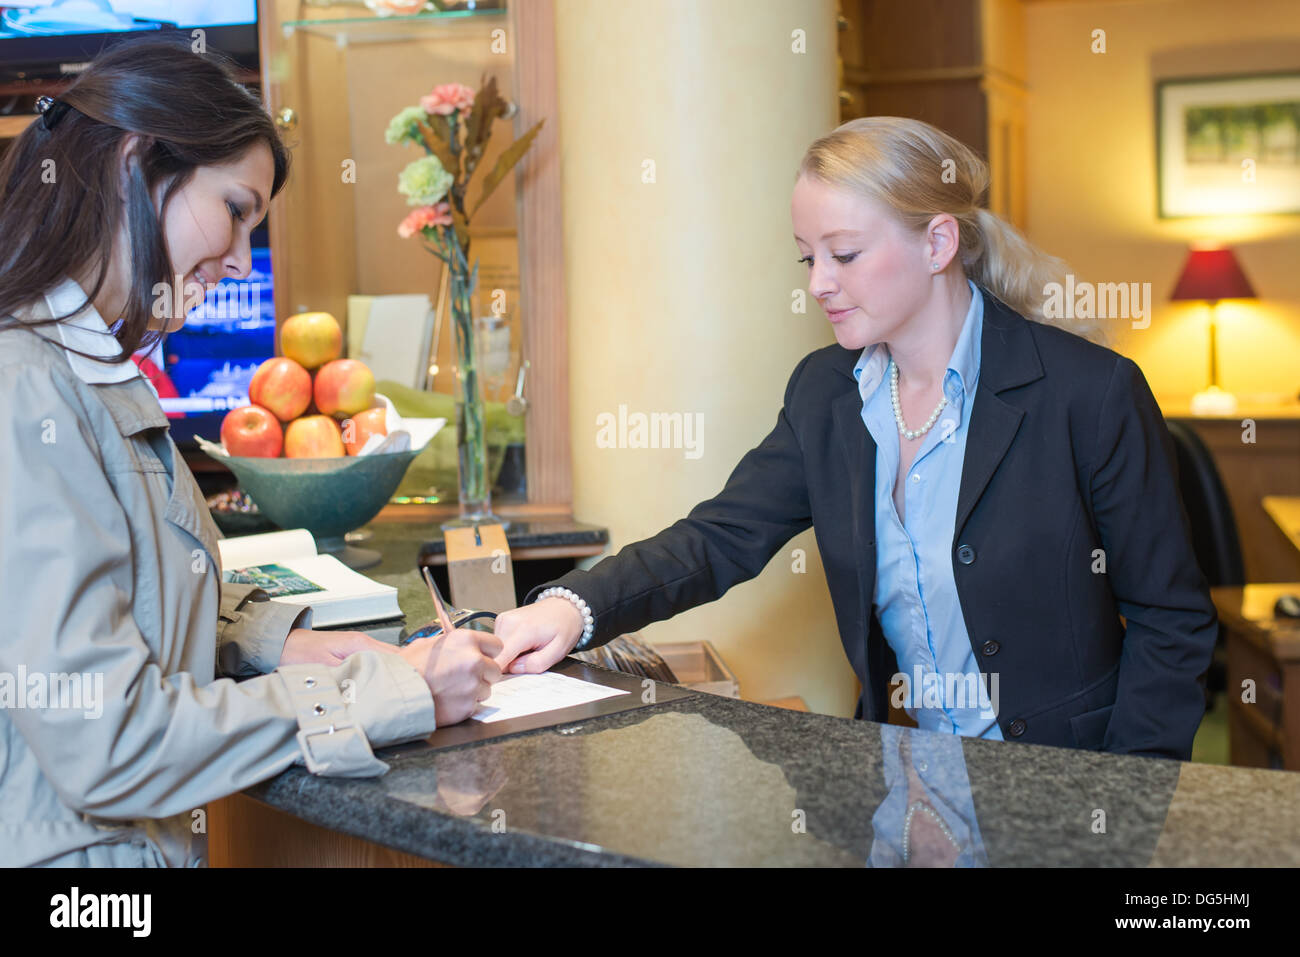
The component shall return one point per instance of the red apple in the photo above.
(311, 339)
(362, 426)
(252, 431)
(313, 437)
(283, 386)
(344, 387)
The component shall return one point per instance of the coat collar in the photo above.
(87, 332)
(130, 397)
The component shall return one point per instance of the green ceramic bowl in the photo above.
(328, 497)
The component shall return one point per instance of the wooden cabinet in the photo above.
(956, 64)
(1263, 676)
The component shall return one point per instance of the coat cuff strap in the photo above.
(332, 744)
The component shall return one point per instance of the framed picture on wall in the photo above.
(1228, 145)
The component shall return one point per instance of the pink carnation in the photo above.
(447, 98)
(423, 217)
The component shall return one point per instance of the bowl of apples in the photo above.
(317, 447)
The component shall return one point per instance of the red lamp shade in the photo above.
(1212, 274)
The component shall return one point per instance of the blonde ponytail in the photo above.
(920, 171)
(1019, 273)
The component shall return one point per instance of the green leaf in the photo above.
(506, 162)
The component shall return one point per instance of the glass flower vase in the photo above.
(475, 493)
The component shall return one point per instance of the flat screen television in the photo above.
(50, 39)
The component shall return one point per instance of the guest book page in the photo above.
(516, 696)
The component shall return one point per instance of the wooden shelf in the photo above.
(442, 512)
(375, 29)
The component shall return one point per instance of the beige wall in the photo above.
(680, 289)
(1092, 186)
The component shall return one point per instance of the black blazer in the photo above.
(1068, 517)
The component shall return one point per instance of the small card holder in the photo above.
(479, 568)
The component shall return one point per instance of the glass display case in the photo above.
(335, 75)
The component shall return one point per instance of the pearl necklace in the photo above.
(907, 827)
(903, 430)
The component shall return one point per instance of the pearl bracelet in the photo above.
(582, 607)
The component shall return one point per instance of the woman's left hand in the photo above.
(305, 646)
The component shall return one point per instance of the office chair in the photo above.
(1214, 531)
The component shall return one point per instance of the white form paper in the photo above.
(516, 696)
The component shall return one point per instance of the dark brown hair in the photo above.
(188, 111)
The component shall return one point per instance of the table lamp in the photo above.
(1212, 274)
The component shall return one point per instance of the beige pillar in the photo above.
(682, 123)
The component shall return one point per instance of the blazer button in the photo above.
(1017, 727)
(990, 647)
(965, 554)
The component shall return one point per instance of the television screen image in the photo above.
(202, 370)
(53, 18)
(54, 40)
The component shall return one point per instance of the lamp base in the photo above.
(1214, 401)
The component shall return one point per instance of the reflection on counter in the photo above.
(719, 782)
(710, 780)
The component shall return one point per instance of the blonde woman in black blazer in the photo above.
(1069, 550)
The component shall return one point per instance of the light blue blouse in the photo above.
(915, 593)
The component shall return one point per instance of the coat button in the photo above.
(965, 554)
(990, 647)
(1017, 727)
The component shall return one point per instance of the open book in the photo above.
(287, 566)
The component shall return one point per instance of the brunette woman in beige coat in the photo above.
(119, 718)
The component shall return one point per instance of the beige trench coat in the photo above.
(114, 625)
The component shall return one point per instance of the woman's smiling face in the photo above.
(861, 261)
(209, 221)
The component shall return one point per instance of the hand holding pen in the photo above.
(457, 664)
